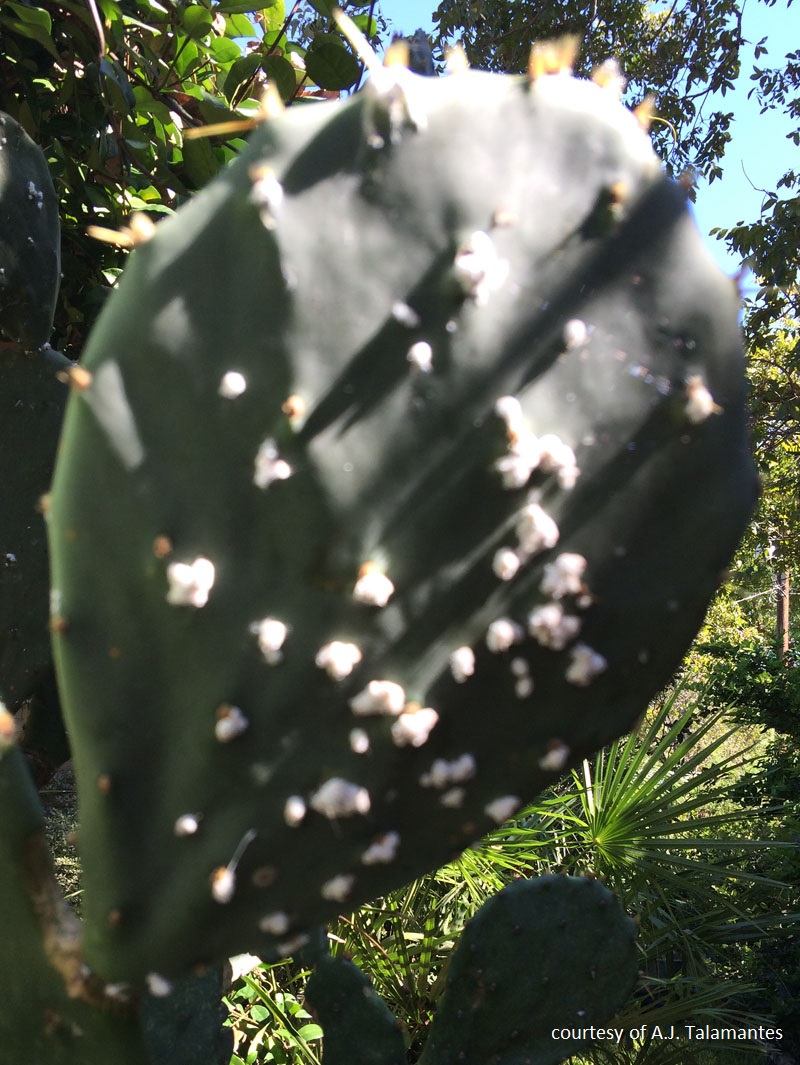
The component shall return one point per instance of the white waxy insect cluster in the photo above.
(478, 268)
(453, 798)
(338, 659)
(338, 887)
(223, 884)
(564, 576)
(382, 850)
(536, 530)
(269, 466)
(559, 458)
(223, 879)
(405, 315)
(266, 194)
(502, 808)
(502, 634)
(527, 452)
(271, 635)
(372, 587)
(700, 403)
(420, 355)
(523, 452)
(575, 334)
(506, 563)
(379, 697)
(413, 727)
(275, 924)
(294, 810)
(190, 582)
(37, 195)
(443, 773)
(523, 681)
(586, 664)
(462, 664)
(233, 384)
(359, 741)
(556, 757)
(158, 985)
(187, 824)
(340, 798)
(551, 627)
(230, 723)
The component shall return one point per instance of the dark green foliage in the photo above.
(359, 1027)
(521, 238)
(552, 953)
(110, 113)
(759, 683)
(685, 55)
(30, 252)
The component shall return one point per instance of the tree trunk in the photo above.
(782, 611)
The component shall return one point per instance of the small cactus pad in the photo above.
(552, 954)
(359, 1027)
(406, 461)
(30, 242)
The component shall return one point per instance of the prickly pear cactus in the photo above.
(404, 465)
(359, 1027)
(554, 953)
(30, 249)
(546, 954)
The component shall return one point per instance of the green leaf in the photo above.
(324, 7)
(330, 65)
(118, 86)
(309, 1032)
(224, 49)
(200, 161)
(197, 21)
(33, 23)
(281, 73)
(240, 72)
(367, 24)
(239, 26)
(32, 16)
(239, 7)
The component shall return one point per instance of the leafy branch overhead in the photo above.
(110, 102)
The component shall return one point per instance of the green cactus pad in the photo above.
(359, 1027)
(30, 243)
(413, 453)
(555, 953)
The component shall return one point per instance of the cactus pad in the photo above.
(30, 249)
(554, 953)
(359, 1027)
(410, 457)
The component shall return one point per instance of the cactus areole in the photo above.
(412, 454)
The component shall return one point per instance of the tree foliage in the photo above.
(110, 89)
(770, 245)
(682, 53)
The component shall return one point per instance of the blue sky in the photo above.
(758, 153)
